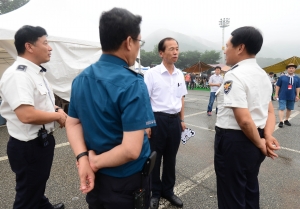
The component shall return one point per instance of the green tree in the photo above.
(210, 57)
(185, 59)
(10, 5)
(188, 58)
(148, 58)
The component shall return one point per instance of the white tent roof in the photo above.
(72, 35)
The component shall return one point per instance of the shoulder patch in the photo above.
(22, 68)
(227, 86)
(137, 73)
(234, 67)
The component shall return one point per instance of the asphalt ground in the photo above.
(196, 181)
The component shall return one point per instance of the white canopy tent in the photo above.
(74, 37)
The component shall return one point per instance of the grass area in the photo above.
(200, 89)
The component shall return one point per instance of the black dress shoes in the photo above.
(154, 203)
(59, 206)
(174, 200)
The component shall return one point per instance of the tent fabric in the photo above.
(224, 68)
(73, 37)
(67, 61)
(280, 66)
(198, 68)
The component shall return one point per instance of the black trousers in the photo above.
(237, 161)
(165, 140)
(31, 162)
(115, 193)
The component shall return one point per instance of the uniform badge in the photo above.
(22, 68)
(227, 86)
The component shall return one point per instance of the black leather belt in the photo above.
(223, 130)
(167, 114)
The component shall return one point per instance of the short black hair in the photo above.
(250, 36)
(271, 73)
(217, 67)
(161, 45)
(27, 34)
(115, 26)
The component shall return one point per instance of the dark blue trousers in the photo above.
(237, 161)
(115, 193)
(165, 140)
(31, 162)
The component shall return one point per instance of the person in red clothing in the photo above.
(187, 80)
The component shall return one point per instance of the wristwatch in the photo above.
(56, 109)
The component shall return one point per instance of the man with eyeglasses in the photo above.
(107, 121)
(166, 87)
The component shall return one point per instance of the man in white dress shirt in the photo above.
(166, 87)
(214, 82)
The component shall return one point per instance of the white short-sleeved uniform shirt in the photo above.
(246, 85)
(23, 83)
(165, 90)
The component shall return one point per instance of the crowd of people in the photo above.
(117, 147)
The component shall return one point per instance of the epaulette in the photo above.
(137, 73)
(233, 67)
(22, 68)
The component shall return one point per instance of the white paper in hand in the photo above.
(186, 135)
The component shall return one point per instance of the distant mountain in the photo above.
(280, 50)
(186, 43)
(285, 48)
(265, 62)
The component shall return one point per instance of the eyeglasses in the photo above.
(141, 42)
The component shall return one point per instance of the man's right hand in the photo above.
(86, 175)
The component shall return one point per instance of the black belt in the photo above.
(167, 114)
(223, 130)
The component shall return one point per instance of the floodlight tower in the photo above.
(223, 24)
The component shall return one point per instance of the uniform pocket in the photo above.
(42, 94)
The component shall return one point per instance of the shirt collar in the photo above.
(30, 64)
(113, 59)
(163, 69)
(247, 61)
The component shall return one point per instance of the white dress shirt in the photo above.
(246, 86)
(25, 85)
(165, 90)
(215, 79)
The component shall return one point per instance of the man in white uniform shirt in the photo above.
(166, 87)
(214, 82)
(28, 105)
(245, 123)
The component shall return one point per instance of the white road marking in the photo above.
(62, 144)
(207, 129)
(191, 99)
(187, 185)
(292, 150)
(3, 158)
(198, 113)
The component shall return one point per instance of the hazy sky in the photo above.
(279, 20)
